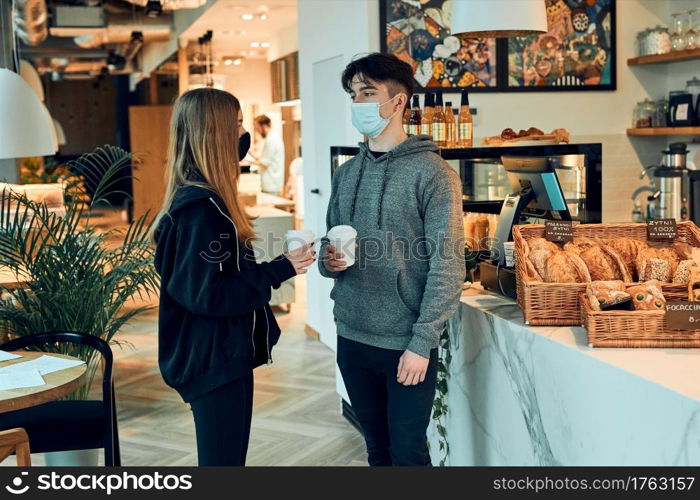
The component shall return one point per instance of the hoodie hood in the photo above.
(413, 145)
(188, 194)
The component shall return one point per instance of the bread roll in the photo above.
(606, 293)
(647, 297)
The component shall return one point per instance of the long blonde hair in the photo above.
(204, 136)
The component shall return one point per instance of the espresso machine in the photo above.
(678, 194)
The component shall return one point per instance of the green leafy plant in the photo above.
(75, 278)
(440, 407)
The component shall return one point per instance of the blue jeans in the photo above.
(394, 417)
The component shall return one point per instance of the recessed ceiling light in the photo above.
(255, 45)
(228, 62)
(265, 44)
(237, 62)
(247, 17)
(263, 17)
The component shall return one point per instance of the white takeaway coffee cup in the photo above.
(298, 238)
(343, 239)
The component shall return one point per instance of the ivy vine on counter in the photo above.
(440, 407)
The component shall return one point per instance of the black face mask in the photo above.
(243, 145)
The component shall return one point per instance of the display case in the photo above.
(485, 183)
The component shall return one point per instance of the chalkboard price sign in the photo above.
(662, 229)
(558, 231)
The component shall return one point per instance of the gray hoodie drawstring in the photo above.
(357, 186)
(381, 194)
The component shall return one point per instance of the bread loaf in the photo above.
(682, 273)
(566, 267)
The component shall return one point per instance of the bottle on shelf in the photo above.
(465, 123)
(450, 138)
(428, 106)
(406, 119)
(415, 118)
(439, 123)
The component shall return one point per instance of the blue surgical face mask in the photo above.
(367, 119)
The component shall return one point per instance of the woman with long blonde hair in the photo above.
(215, 324)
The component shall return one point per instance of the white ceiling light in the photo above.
(255, 45)
(498, 18)
(263, 17)
(237, 62)
(247, 17)
(228, 62)
(26, 128)
(265, 44)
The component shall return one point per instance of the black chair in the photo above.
(69, 425)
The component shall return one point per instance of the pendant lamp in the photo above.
(26, 128)
(498, 18)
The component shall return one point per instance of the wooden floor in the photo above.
(296, 416)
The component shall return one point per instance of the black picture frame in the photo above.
(502, 63)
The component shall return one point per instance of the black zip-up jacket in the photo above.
(214, 322)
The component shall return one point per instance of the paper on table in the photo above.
(20, 380)
(6, 356)
(44, 364)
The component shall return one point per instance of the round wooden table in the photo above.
(57, 384)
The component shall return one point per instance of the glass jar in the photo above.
(691, 37)
(644, 114)
(660, 118)
(658, 41)
(678, 21)
(639, 44)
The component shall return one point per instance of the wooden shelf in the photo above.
(680, 55)
(664, 131)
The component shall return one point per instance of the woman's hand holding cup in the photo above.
(302, 257)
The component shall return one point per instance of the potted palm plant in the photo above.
(76, 277)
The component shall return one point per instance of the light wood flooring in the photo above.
(296, 416)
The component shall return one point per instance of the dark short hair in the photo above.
(388, 69)
(263, 120)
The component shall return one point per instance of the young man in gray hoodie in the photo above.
(392, 305)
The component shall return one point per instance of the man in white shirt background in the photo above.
(271, 160)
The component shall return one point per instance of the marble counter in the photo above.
(523, 395)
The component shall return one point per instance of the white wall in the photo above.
(251, 82)
(285, 41)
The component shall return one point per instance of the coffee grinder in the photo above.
(678, 194)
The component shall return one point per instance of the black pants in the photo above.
(393, 417)
(222, 422)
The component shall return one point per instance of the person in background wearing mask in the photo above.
(392, 305)
(271, 160)
(214, 322)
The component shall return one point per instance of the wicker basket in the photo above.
(633, 329)
(557, 304)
